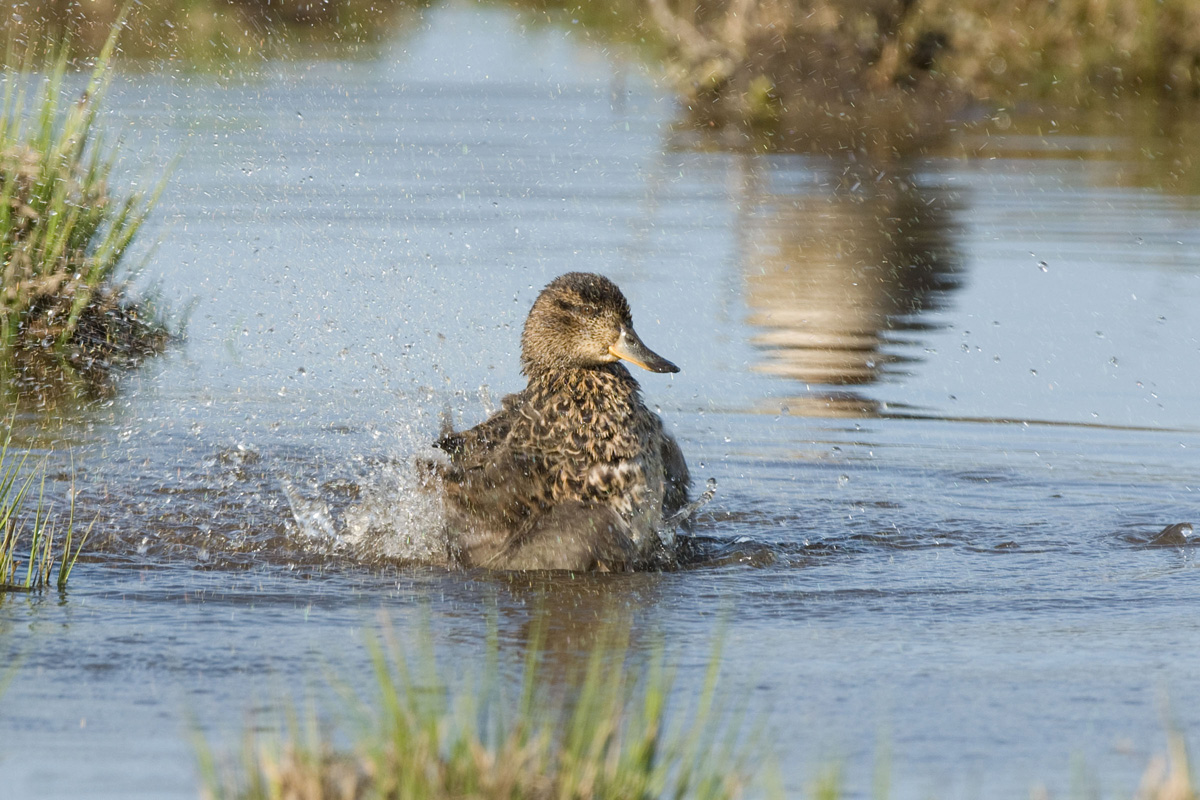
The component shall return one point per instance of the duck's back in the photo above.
(573, 472)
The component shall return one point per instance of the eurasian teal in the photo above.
(573, 472)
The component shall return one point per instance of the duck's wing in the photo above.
(473, 446)
(678, 479)
(496, 482)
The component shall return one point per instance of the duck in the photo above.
(573, 472)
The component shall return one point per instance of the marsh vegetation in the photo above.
(65, 231)
(892, 75)
(38, 547)
(943, 458)
(617, 730)
(210, 34)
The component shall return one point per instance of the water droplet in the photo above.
(843, 480)
(1043, 266)
(1033, 372)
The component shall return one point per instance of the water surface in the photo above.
(949, 401)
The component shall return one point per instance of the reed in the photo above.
(618, 733)
(63, 233)
(29, 528)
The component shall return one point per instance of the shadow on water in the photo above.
(841, 262)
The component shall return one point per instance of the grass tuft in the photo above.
(614, 731)
(47, 544)
(63, 233)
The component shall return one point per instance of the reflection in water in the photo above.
(1130, 142)
(839, 270)
(572, 617)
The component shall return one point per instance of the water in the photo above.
(949, 401)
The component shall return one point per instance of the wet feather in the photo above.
(574, 471)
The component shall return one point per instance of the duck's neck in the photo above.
(603, 378)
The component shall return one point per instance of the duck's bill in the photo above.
(630, 348)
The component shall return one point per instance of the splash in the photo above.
(399, 518)
(668, 531)
(389, 512)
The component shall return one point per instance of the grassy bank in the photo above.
(37, 548)
(64, 233)
(815, 72)
(615, 731)
(211, 33)
(800, 69)
(828, 71)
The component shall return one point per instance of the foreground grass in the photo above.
(1169, 777)
(615, 731)
(63, 234)
(29, 529)
(616, 734)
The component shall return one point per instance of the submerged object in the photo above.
(574, 472)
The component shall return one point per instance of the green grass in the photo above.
(63, 232)
(614, 731)
(29, 528)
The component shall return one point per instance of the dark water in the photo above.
(949, 402)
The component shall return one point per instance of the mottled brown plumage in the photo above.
(573, 472)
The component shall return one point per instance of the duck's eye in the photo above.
(580, 309)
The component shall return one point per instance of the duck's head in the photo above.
(582, 320)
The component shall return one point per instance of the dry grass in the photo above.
(1169, 776)
(766, 62)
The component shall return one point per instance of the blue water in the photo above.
(948, 400)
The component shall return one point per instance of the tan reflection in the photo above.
(837, 272)
(569, 618)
